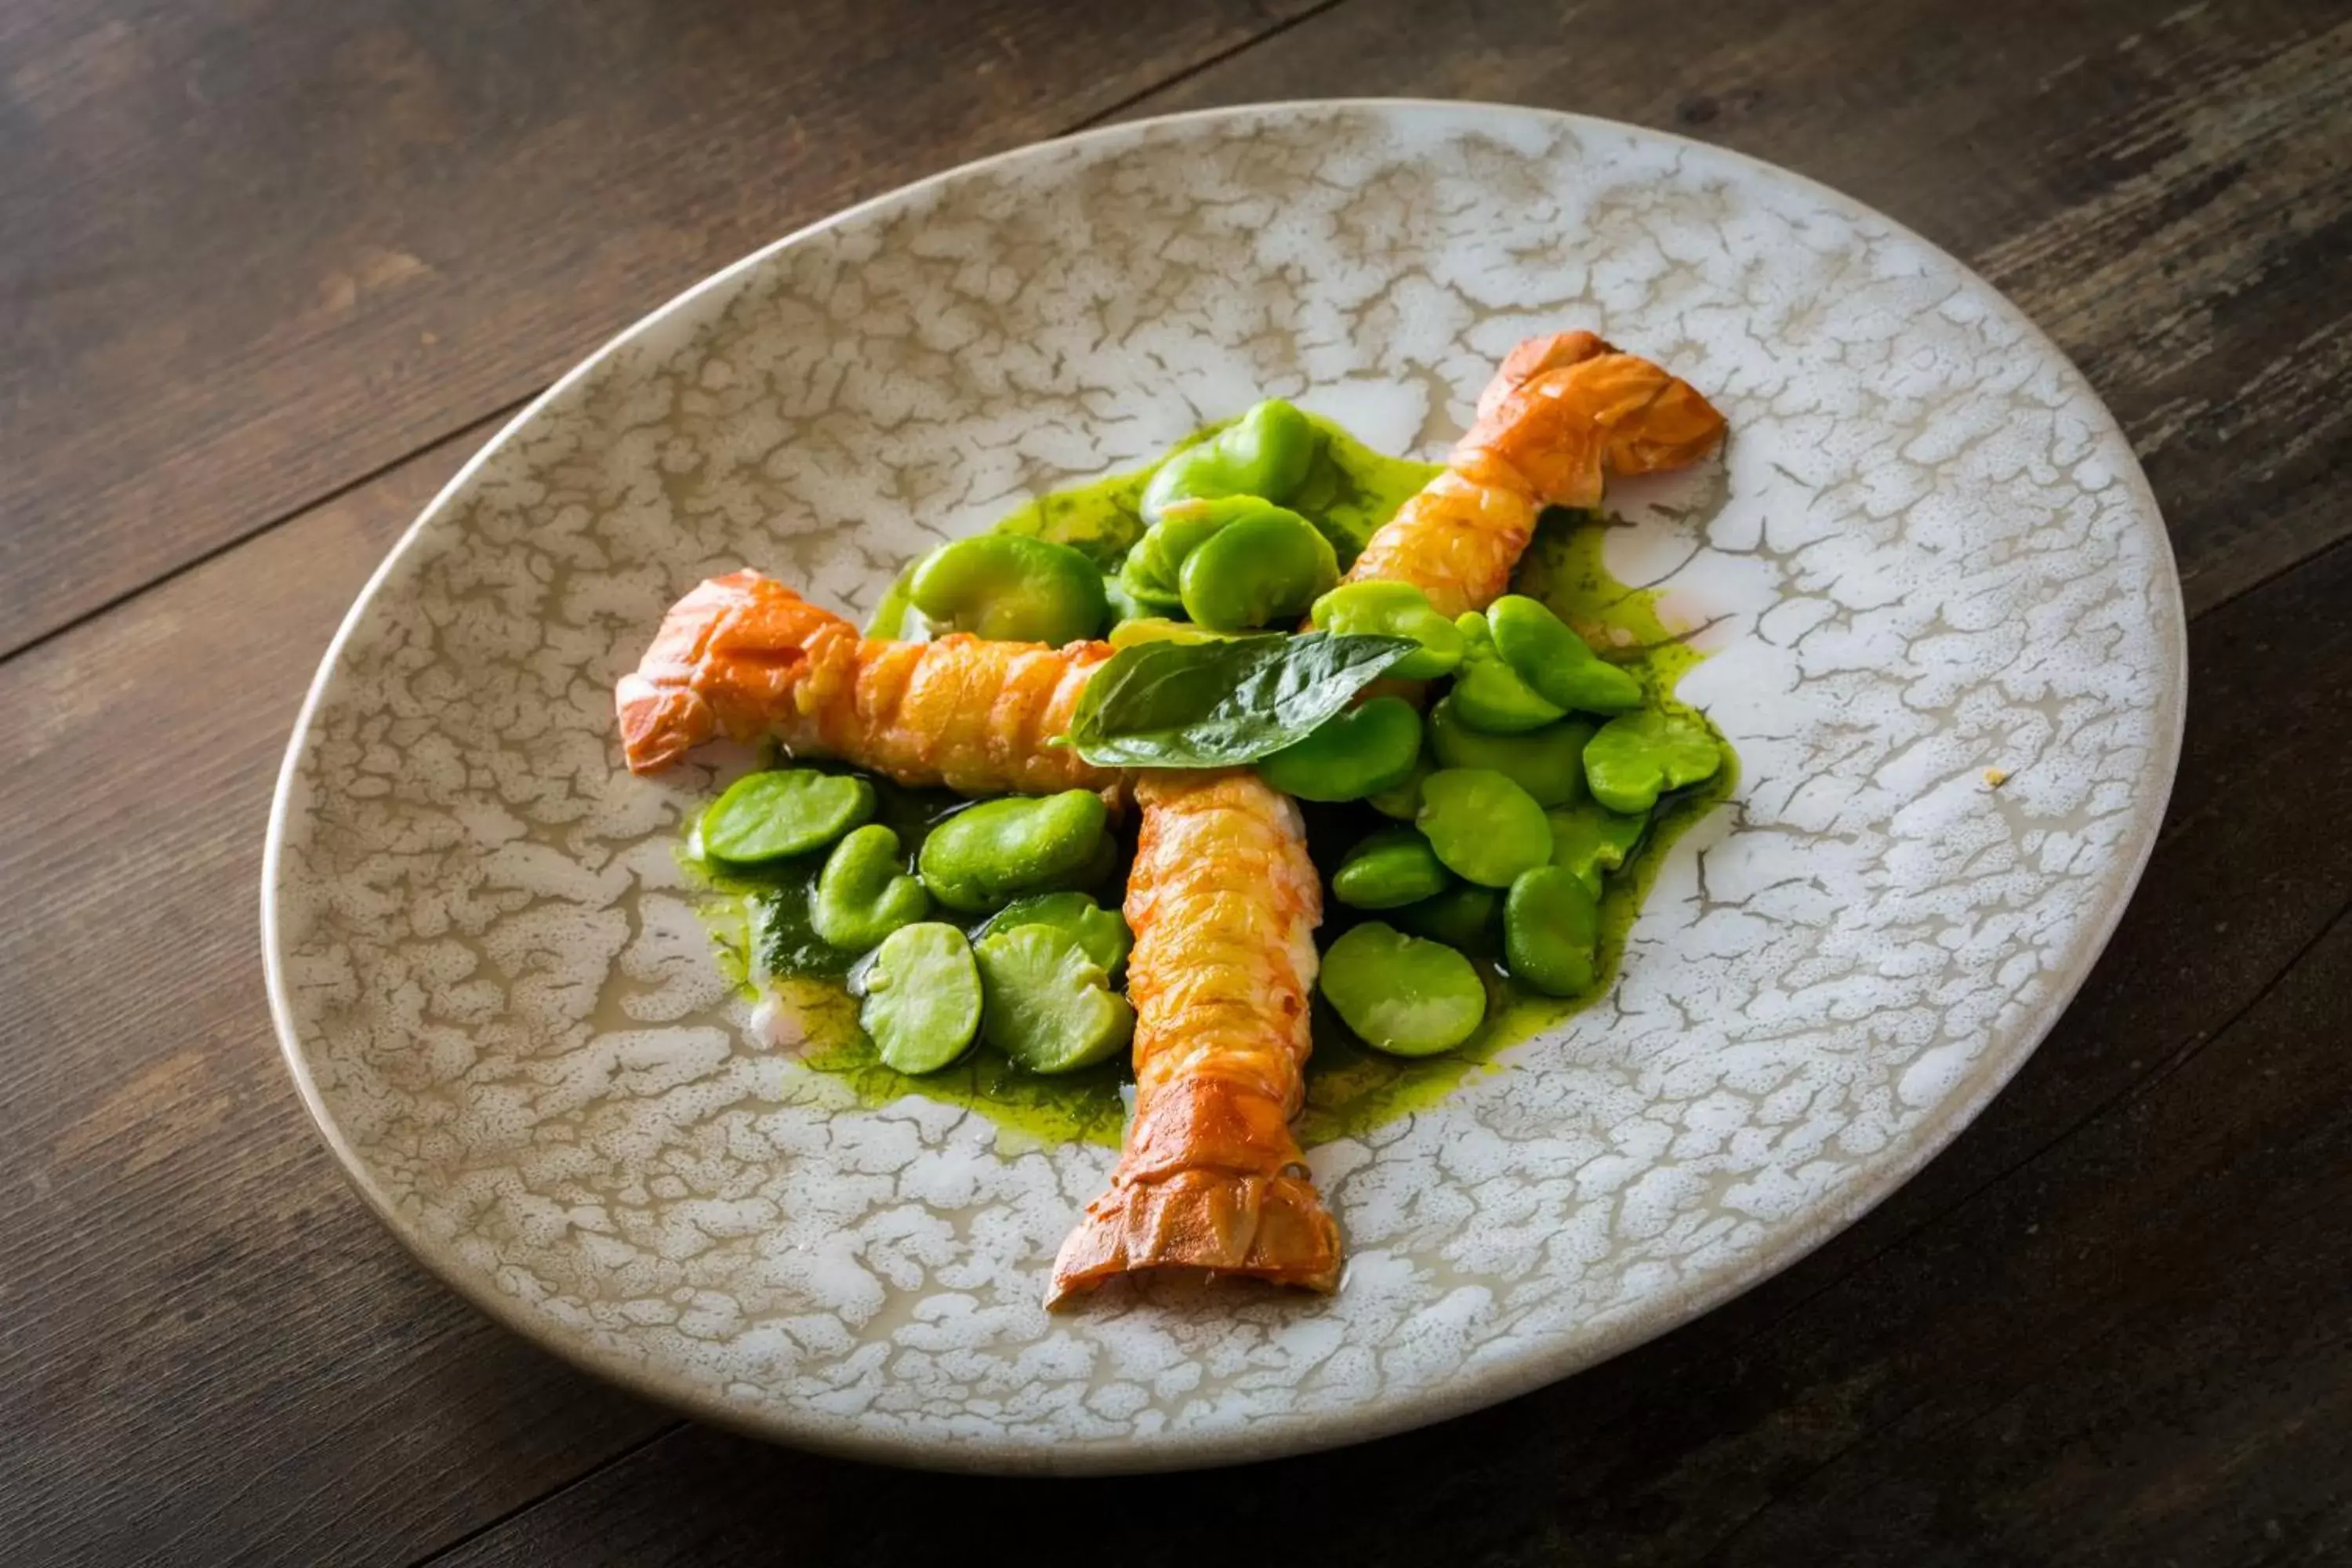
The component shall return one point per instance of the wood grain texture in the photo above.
(213, 1347)
(254, 249)
(2108, 1323)
(2103, 1328)
(2166, 189)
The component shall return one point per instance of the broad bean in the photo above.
(1350, 755)
(921, 997)
(1403, 994)
(780, 813)
(1402, 800)
(1636, 756)
(1267, 453)
(986, 855)
(1264, 566)
(1548, 763)
(1009, 588)
(1485, 828)
(1551, 932)
(1392, 867)
(1588, 840)
(864, 893)
(1101, 931)
(1046, 1003)
(1397, 610)
(1464, 915)
(1488, 693)
(1545, 652)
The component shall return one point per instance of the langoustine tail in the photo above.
(1224, 903)
(1561, 413)
(744, 656)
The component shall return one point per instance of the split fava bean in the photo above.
(1485, 828)
(1488, 693)
(986, 855)
(1392, 868)
(1350, 755)
(1010, 587)
(1102, 932)
(1397, 610)
(1548, 762)
(864, 893)
(780, 813)
(1403, 994)
(1551, 932)
(1264, 566)
(1265, 453)
(921, 997)
(1046, 1003)
(1545, 652)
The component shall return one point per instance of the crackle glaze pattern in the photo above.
(1927, 553)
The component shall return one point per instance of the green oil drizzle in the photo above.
(761, 923)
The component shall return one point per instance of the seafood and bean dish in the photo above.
(1214, 809)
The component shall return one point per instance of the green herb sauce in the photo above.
(761, 924)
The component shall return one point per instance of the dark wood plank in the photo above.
(215, 1352)
(213, 1349)
(253, 251)
(2106, 1317)
(2166, 189)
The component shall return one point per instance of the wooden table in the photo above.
(274, 267)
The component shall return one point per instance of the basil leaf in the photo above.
(1220, 704)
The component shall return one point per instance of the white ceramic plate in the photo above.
(1927, 553)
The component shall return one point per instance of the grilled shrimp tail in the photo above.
(732, 657)
(744, 656)
(1212, 1182)
(1224, 903)
(1561, 413)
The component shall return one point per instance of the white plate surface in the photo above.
(1927, 553)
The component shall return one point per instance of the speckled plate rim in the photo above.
(1875, 1181)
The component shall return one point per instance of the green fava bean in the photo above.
(1462, 916)
(1485, 828)
(1267, 453)
(1551, 932)
(776, 814)
(1101, 931)
(922, 997)
(1403, 994)
(864, 893)
(1548, 763)
(1350, 755)
(1589, 839)
(1158, 628)
(1150, 574)
(1125, 609)
(1545, 651)
(1635, 756)
(1488, 693)
(1265, 566)
(1046, 1003)
(1009, 588)
(1391, 869)
(988, 855)
(1402, 801)
(1396, 610)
